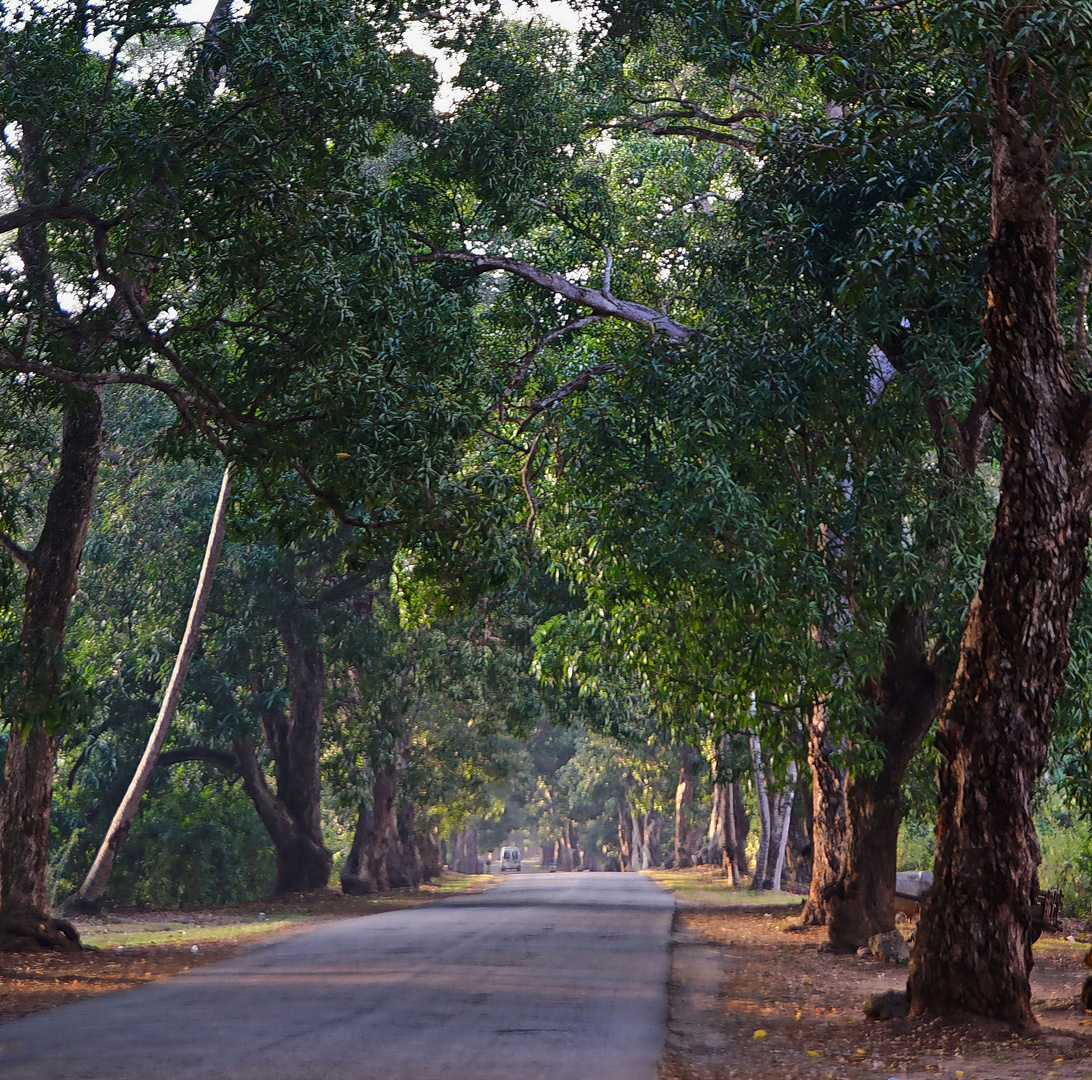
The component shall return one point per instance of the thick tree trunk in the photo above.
(303, 864)
(366, 869)
(907, 698)
(972, 952)
(828, 831)
(356, 874)
(27, 791)
(432, 862)
(763, 800)
(90, 894)
(684, 809)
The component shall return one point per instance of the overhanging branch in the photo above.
(597, 300)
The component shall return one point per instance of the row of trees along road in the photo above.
(686, 309)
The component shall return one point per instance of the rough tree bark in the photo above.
(295, 741)
(907, 698)
(972, 952)
(366, 867)
(25, 799)
(828, 829)
(89, 896)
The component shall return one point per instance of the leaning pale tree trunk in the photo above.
(972, 952)
(90, 894)
(763, 800)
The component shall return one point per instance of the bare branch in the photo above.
(222, 758)
(525, 477)
(20, 554)
(579, 382)
(596, 299)
(334, 506)
(523, 369)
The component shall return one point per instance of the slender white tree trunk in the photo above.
(785, 810)
(94, 885)
(763, 799)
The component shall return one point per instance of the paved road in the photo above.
(558, 976)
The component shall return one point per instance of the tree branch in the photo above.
(599, 301)
(523, 369)
(525, 477)
(221, 758)
(23, 557)
(571, 387)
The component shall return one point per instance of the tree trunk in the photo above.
(828, 830)
(739, 829)
(27, 791)
(432, 863)
(303, 864)
(717, 842)
(785, 818)
(906, 698)
(653, 853)
(972, 952)
(89, 896)
(763, 800)
(356, 874)
(640, 851)
(411, 851)
(799, 839)
(625, 835)
(366, 869)
(684, 808)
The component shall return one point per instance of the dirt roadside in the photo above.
(750, 1001)
(128, 948)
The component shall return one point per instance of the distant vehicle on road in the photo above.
(510, 859)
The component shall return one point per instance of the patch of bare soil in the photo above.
(31, 982)
(751, 1001)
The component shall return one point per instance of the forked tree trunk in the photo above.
(828, 830)
(972, 952)
(907, 698)
(27, 791)
(90, 894)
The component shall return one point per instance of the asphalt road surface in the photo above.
(558, 976)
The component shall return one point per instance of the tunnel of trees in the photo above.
(666, 441)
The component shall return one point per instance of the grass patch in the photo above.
(189, 934)
(704, 885)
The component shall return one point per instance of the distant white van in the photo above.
(510, 859)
